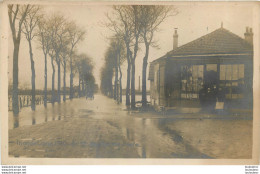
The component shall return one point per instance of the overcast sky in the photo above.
(193, 21)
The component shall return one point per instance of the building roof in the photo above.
(220, 41)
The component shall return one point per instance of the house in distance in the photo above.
(215, 68)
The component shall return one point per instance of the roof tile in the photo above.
(217, 42)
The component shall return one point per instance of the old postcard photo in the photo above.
(130, 82)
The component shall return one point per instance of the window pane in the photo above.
(241, 71)
(228, 72)
(191, 80)
(222, 72)
(195, 71)
(240, 96)
(235, 72)
(212, 67)
(234, 83)
(183, 95)
(228, 84)
(228, 96)
(234, 96)
(201, 71)
(183, 85)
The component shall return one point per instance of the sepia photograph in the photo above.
(121, 81)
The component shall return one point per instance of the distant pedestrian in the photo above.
(208, 98)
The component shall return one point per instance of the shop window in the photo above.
(232, 72)
(191, 81)
(232, 80)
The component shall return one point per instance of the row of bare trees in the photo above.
(58, 38)
(114, 58)
(135, 25)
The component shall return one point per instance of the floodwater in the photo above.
(113, 131)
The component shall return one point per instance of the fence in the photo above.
(25, 101)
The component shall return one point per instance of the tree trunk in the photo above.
(128, 78)
(58, 81)
(115, 82)
(15, 104)
(64, 81)
(45, 80)
(79, 93)
(133, 85)
(133, 72)
(120, 84)
(144, 96)
(117, 88)
(33, 76)
(71, 80)
(83, 88)
(33, 86)
(53, 82)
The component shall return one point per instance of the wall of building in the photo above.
(157, 85)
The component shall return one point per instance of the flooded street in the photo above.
(101, 128)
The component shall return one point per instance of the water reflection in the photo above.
(44, 114)
(33, 118)
(53, 112)
(64, 110)
(72, 112)
(59, 111)
(153, 138)
(148, 137)
(143, 138)
(16, 121)
(135, 131)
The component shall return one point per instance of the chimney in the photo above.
(175, 39)
(249, 35)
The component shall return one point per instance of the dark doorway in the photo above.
(208, 94)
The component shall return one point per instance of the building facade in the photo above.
(217, 67)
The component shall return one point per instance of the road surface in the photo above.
(101, 128)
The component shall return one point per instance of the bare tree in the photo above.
(30, 23)
(76, 35)
(84, 66)
(44, 39)
(152, 17)
(107, 75)
(118, 56)
(114, 57)
(115, 67)
(59, 40)
(52, 55)
(126, 22)
(120, 24)
(17, 14)
(64, 55)
(136, 17)
(78, 69)
(135, 24)
(121, 57)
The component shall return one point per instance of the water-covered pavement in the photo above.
(101, 128)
